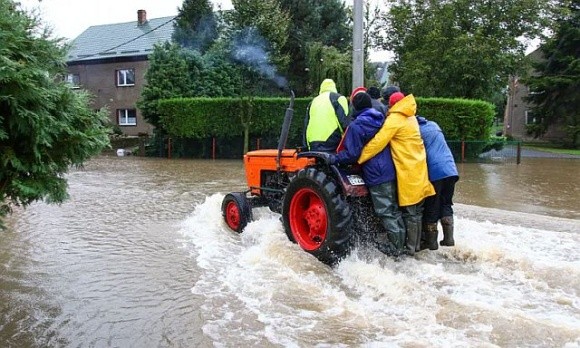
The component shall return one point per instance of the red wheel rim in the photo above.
(308, 219)
(233, 215)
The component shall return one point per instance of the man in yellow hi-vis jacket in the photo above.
(326, 119)
(401, 130)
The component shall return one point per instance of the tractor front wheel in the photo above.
(236, 211)
(317, 217)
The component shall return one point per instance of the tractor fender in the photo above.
(348, 177)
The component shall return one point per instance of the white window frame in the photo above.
(74, 80)
(123, 77)
(127, 117)
(529, 115)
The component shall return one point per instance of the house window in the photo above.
(126, 77)
(74, 80)
(127, 117)
(532, 92)
(531, 118)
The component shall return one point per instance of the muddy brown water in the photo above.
(139, 257)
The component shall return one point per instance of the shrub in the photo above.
(225, 118)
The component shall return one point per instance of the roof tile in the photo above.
(120, 39)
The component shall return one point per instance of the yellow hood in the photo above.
(327, 85)
(406, 106)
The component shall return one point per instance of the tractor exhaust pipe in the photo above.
(285, 130)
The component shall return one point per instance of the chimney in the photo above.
(141, 17)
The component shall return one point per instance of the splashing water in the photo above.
(501, 285)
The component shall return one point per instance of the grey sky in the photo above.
(69, 18)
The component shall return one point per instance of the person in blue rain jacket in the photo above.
(443, 176)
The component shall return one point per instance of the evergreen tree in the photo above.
(321, 22)
(261, 24)
(224, 78)
(167, 77)
(196, 25)
(256, 33)
(555, 86)
(45, 126)
(176, 72)
(328, 62)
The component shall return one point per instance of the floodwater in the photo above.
(139, 257)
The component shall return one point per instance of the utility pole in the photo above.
(357, 45)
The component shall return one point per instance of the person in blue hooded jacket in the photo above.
(378, 173)
(443, 176)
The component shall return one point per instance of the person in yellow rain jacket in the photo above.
(401, 131)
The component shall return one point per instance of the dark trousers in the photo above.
(441, 204)
(385, 203)
(413, 213)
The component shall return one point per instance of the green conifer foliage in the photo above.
(45, 126)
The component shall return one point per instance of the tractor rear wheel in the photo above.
(317, 217)
(236, 211)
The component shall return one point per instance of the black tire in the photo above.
(236, 211)
(317, 217)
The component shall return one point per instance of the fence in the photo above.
(232, 148)
(486, 151)
(210, 148)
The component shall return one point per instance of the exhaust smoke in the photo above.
(250, 49)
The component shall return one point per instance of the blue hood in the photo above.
(440, 161)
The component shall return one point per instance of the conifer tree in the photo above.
(167, 77)
(196, 25)
(45, 126)
(313, 23)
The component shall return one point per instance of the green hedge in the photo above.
(200, 118)
(460, 119)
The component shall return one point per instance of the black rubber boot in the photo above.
(396, 240)
(431, 235)
(447, 223)
(402, 236)
(413, 237)
(385, 245)
(429, 239)
(424, 238)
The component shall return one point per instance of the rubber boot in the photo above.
(431, 235)
(447, 223)
(419, 227)
(424, 238)
(413, 237)
(385, 245)
(395, 239)
(398, 241)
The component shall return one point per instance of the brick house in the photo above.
(518, 112)
(110, 62)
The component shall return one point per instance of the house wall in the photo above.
(515, 117)
(99, 78)
(517, 107)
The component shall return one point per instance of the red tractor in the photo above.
(326, 209)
